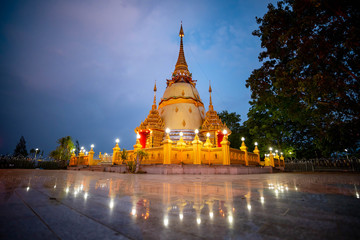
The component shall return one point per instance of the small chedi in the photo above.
(180, 131)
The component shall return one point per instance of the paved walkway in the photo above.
(45, 204)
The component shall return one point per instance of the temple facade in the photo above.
(179, 130)
(180, 110)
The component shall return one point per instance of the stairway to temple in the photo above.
(96, 168)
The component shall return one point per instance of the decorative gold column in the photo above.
(257, 152)
(167, 147)
(271, 158)
(244, 149)
(91, 155)
(282, 160)
(116, 151)
(197, 144)
(225, 145)
(137, 146)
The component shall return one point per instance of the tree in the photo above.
(123, 155)
(232, 121)
(140, 155)
(20, 149)
(63, 151)
(306, 94)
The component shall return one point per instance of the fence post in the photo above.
(244, 149)
(91, 157)
(257, 152)
(197, 144)
(116, 151)
(225, 145)
(167, 148)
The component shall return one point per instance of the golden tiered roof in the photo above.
(153, 120)
(212, 120)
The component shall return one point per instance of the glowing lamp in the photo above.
(167, 130)
(92, 146)
(38, 149)
(256, 143)
(117, 140)
(346, 150)
(181, 134)
(208, 134)
(196, 131)
(224, 132)
(82, 148)
(290, 153)
(281, 153)
(242, 139)
(276, 151)
(270, 148)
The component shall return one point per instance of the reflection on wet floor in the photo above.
(172, 201)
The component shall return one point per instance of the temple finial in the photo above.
(210, 91)
(181, 33)
(154, 105)
(181, 64)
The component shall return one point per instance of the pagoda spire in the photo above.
(210, 103)
(181, 62)
(155, 89)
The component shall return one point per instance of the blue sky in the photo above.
(87, 68)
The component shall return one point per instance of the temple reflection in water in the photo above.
(198, 202)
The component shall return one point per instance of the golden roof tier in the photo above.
(151, 130)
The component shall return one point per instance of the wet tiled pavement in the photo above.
(45, 204)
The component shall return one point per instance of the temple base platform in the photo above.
(180, 169)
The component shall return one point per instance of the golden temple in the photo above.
(179, 131)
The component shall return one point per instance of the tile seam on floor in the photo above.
(89, 217)
(36, 214)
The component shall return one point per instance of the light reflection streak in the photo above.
(166, 221)
(249, 207)
(198, 220)
(133, 211)
(111, 204)
(181, 216)
(230, 218)
(211, 214)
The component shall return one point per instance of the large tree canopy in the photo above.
(64, 150)
(306, 93)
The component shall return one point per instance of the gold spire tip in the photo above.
(181, 33)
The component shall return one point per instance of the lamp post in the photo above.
(36, 149)
(346, 152)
